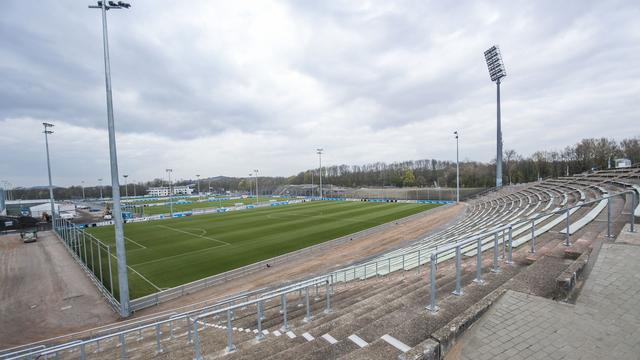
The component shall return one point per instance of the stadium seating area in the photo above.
(374, 309)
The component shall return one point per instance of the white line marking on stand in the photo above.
(358, 340)
(277, 333)
(308, 336)
(291, 334)
(330, 339)
(396, 343)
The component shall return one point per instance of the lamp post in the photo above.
(250, 186)
(46, 143)
(82, 189)
(169, 171)
(126, 188)
(100, 181)
(496, 72)
(319, 152)
(123, 281)
(457, 169)
(257, 192)
(198, 176)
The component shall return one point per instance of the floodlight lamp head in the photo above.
(46, 125)
(493, 57)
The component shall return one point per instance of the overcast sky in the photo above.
(222, 87)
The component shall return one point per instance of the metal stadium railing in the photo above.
(197, 317)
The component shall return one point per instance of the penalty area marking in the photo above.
(196, 235)
(178, 255)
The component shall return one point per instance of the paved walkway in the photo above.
(603, 324)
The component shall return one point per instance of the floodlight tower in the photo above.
(169, 171)
(46, 142)
(100, 181)
(319, 152)
(82, 189)
(257, 193)
(198, 176)
(123, 281)
(457, 168)
(496, 72)
(126, 188)
(250, 186)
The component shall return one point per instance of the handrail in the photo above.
(329, 279)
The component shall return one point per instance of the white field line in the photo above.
(143, 278)
(178, 255)
(142, 246)
(196, 235)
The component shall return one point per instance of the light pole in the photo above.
(126, 188)
(100, 180)
(250, 186)
(496, 72)
(123, 281)
(169, 171)
(257, 192)
(134, 188)
(46, 143)
(82, 189)
(319, 152)
(198, 176)
(457, 169)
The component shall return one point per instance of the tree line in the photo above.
(587, 154)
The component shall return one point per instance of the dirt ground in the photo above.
(324, 261)
(43, 292)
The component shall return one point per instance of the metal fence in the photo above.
(94, 256)
(378, 267)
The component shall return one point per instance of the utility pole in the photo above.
(319, 152)
(123, 281)
(169, 171)
(457, 169)
(257, 192)
(46, 142)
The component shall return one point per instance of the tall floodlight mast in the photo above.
(123, 281)
(319, 152)
(46, 142)
(257, 192)
(496, 72)
(457, 169)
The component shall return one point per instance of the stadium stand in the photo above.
(373, 309)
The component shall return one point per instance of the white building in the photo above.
(164, 191)
(68, 209)
(623, 163)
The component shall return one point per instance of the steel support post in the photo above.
(609, 218)
(478, 279)
(230, 346)
(285, 325)
(633, 209)
(307, 318)
(259, 335)
(100, 265)
(418, 262)
(458, 290)
(568, 239)
(158, 347)
(433, 306)
(197, 350)
(110, 273)
(328, 294)
(123, 350)
(510, 253)
(533, 237)
(495, 268)
(281, 303)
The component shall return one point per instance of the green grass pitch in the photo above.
(167, 253)
(164, 209)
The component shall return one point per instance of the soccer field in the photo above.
(167, 253)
